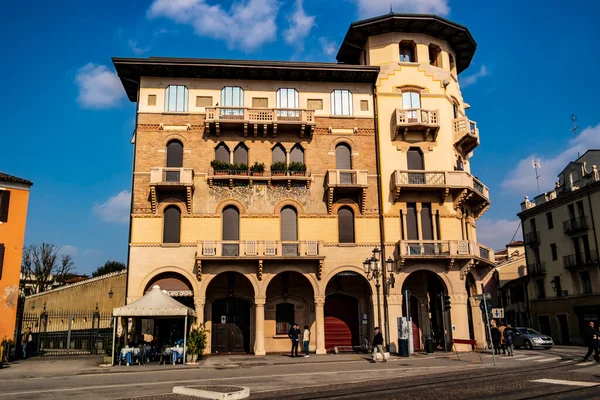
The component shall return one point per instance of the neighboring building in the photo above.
(255, 251)
(14, 197)
(560, 229)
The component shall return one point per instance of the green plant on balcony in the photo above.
(278, 168)
(220, 167)
(297, 168)
(239, 168)
(257, 169)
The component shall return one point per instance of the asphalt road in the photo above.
(414, 378)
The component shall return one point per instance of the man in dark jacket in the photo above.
(294, 335)
(496, 337)
(591, 341)
(378, 345)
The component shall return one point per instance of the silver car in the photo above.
(529, 338)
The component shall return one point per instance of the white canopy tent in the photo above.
(155, 303)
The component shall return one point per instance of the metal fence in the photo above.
(64, 332)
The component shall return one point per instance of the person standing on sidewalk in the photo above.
(25, 341)
(591, 341)
(306, 340)
(378, 345)
(294, 335)
(502, 343)
(508, 340)
(496, 337)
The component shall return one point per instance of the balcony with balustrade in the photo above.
(536, 269)
(448, 251)
(532, 238)
(260, 121)
(581, 260)
(576, 225)
(259, 252)
(416, 120)
(464, 187)
(341, 182)
(287, 178)
(466, 135)
(168, 180)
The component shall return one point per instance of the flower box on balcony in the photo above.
(297, 169)
(278, 168)
(257, 169)
(298, 173)
(256, 173)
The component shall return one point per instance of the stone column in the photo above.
(199, 303)
(404, 229)
(459, 319)
(259, 323)
(320, 322)
(419, 226)
(434, 224)
(394, 313)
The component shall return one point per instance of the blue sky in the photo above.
(67, 126)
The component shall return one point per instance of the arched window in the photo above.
(343, 156)
(231, 231)
(414, 159)
(287, 98)
(407, 51)
(174, 160)
(240, 154)
(222, 153)
(289, 231)
(346, 225)
(278, 154)
(232, 96)
(171, 225)
(297, 154)
(341, 102)
(176, 98)
(411, 101)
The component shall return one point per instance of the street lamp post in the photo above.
(373, 270)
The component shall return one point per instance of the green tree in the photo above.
(108, 267)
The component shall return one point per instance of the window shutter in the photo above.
(346, 225)
(289, 228)
(231, 224)
(4, 202)
(172, 225)
(1, 258)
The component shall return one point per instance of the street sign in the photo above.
(480, 297)
(498, 313)
(487, 305)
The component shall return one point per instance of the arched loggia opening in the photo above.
(348, 311)
(425, 307)
(229, 312)
(289, 300)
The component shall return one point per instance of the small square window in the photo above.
(260, 102)
(314, 104)
(151, 99)
(364, 105)
(204, 101)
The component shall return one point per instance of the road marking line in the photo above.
(529, 358)
(565, 362)
(584, 364)
(568, 383)
(547, 359)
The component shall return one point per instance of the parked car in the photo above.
(530, 338)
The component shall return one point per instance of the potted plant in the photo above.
(297, 169)
(196, 343)
(220, 167)
(257, 169)
(278, 168)
(240, 168)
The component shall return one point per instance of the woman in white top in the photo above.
(306, 339)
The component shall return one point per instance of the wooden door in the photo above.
(231, 325)
(416, 330)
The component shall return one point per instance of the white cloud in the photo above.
(329, 47)
(498, 233)
(521, 179)
(98, 86)
(67, 249)
(247, 24)
(115, 208)
(134, 46)
(372, 8)
(469, 80)
(300, 25)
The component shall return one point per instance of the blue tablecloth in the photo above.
(128, 355)
(176, 354)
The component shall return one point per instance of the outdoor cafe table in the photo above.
(128, 353)
(176, 352)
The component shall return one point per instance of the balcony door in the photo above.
(286, 99)
(174, 160)
(289, 231)
(231, 232)
(411, 101)
(232, 98)
(414, 162)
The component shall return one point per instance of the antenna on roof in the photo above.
(535, 163)
(574, 130)
(391, 10)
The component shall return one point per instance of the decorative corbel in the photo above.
(199, 270)
(259, 272)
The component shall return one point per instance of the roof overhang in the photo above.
(131, 70)
(457, 36)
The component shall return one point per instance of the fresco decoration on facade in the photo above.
(273, 194)
(298, 192)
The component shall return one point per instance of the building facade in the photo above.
(14, 197)
(260, 187)
(561, 239)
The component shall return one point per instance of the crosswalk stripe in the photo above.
(568, 383)
(529, 358)
(584, 364)
(547, 359)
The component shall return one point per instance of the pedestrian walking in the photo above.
(306, 340)
(508, 340)
(502, 342)
(294, 335)
(496, 338)
(378, 345)
(25, 339)
(591, 340)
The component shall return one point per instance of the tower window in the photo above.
(435, 55)
(408, 51)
